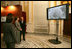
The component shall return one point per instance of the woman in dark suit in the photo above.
(22, 23)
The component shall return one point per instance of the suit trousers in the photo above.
(23, 35)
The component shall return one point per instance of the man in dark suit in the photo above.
(22, 23)
(9, 32)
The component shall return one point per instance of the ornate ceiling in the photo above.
(64, 2)
(5, 3)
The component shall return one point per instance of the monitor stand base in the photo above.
(54, 41)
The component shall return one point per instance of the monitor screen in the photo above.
(58, 12)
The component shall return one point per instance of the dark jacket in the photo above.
(9, 33)
(23, 25)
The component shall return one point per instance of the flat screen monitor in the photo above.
(58, 12)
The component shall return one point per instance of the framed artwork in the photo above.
(3, 18)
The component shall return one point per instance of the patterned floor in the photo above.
(41, 41)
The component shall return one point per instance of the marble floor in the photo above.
(41, 41)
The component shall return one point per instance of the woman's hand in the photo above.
(20, 29)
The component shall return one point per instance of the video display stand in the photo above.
(56, 41)
(60, 12)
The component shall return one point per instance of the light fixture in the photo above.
(12, 7)
(2, 9)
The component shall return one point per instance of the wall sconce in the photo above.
(2, 9)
